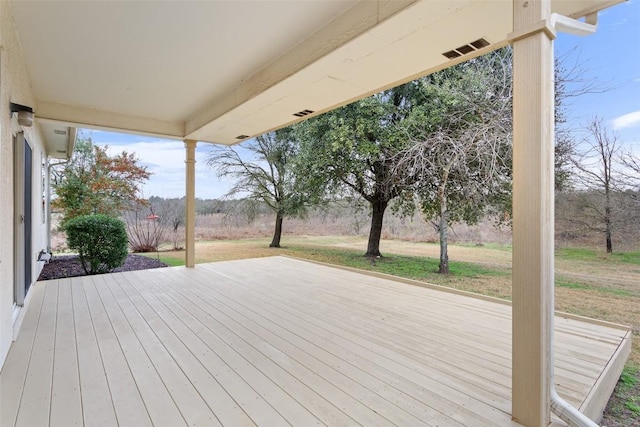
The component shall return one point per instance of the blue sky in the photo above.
(610, 56)
(165, 160)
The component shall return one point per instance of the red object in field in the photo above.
(152, 216)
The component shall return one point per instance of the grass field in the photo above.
(588, 282)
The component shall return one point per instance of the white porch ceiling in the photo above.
(223, 71)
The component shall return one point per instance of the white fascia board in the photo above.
(74, 116)
(268, 99)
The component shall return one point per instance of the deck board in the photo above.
(220, 360)
(194, 364)
(36, 395)
(453, 387)
(191, 405)
(129, 407)
(276, 341)
(300, 370)
(306, 352)
(66, 401)
(158, 401)
(241, 358)
(12, 380)
(97, 405)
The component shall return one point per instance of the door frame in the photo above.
(22, 217)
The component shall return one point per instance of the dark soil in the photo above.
(69, 266)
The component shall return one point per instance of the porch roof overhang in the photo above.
(223, 72)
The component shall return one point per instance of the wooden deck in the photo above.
(278, 341)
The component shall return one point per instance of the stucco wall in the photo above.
(15, 87)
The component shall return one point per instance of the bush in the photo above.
(100, 240)
(146, 232)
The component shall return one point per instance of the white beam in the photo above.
(361, 18)
(91, 118)
(533, 210)
(190, 217)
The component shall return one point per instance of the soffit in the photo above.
(59, 140)
(213, 71)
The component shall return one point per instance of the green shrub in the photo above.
(100, 240)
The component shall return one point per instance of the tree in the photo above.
(171, 213)
(571, 80)
(266, 176)
(631, 173)
(596, 169)
(352, 150)
(564, 143)
(95, 183)
(459, 159)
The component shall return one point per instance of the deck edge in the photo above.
(596, 401)
(455, 291)
(403, 280)
(593, 321)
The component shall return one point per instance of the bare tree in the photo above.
(459, 177)
(571, 80)
(597, 168)
(631, 176)
(263, 173)
(462, 166)
(171, 213)
(631, 171)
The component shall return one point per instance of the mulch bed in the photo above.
(69, 266)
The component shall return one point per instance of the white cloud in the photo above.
(165, 160)
(626, 120)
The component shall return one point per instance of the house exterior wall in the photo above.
(15, 87)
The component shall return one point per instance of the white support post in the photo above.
(190, 217)
(533, 215)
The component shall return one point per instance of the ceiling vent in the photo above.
(242, 136)
(60, 132)
(302, 113)
(467, 48)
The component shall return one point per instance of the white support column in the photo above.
(190, 217)
(533, 214)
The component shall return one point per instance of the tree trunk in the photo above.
(607, 222)
(443, 268)
(275, 242)
(373, 247)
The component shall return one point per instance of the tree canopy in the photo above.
(93, 182)
(452, 127)
(352, 150)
